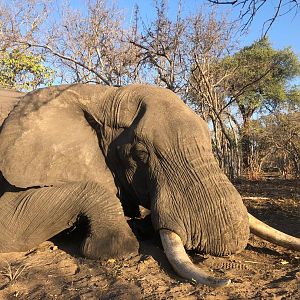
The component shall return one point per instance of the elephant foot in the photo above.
(114, 244)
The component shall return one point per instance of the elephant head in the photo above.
(163, 160)
(145, 143)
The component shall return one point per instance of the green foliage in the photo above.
(261, 76)
(260, 82)
(23, 71)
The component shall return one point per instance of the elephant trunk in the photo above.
(272, 235)
(182, 264)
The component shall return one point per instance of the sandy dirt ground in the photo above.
(263, 271)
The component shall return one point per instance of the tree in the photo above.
(260, 82)
(164, 50)
(209, 83)
(231, 89)
(23, 71)
(83, 46)
(21, 20)
(91, 46)
(21, 68)
(276, 142)
(171, 48)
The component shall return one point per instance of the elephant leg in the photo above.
(109, 234)
(30, 217)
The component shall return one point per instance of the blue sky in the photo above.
(284, 32)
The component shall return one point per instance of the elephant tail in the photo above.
(272, 235)
(182, 264)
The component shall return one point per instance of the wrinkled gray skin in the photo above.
(85, 144)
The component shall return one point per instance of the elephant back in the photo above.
(8, 99)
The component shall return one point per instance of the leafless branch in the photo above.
(76, 62)
(250, 8)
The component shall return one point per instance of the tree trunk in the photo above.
(246, 141)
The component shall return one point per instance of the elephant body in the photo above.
(48, 145)
(78, 148)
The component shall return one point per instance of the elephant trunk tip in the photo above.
(182, 264)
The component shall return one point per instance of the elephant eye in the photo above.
(140, 153)
(124, 151)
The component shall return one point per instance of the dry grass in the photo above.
(11, 272)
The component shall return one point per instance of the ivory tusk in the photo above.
(182, 264)
(273, 235)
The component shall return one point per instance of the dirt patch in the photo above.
(262, 271)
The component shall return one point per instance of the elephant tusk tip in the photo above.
(221, 283)
(214, 282)
(182, 264)
(228, 281)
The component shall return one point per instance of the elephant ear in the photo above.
(44, 142)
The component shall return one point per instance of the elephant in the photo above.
(101, 152)
(8, 98)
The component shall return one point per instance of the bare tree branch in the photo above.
(76, 62)
(249, 9)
